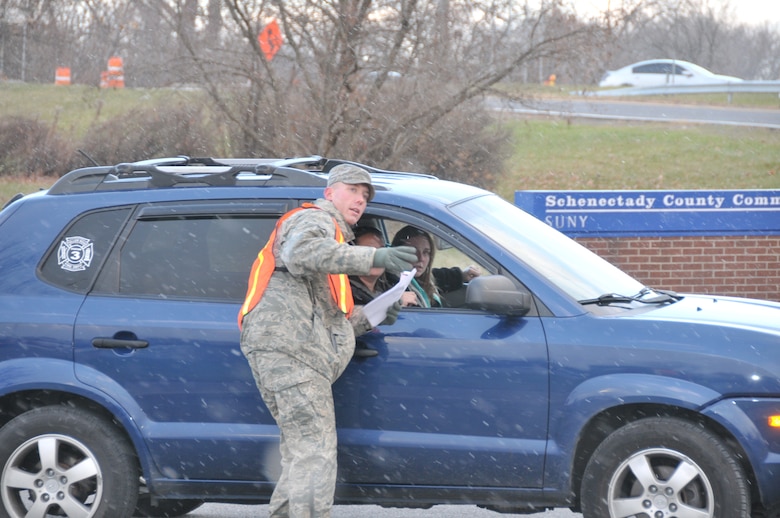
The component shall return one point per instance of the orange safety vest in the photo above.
(265, 263)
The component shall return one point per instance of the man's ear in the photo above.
(328, 194)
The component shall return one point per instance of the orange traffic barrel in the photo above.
(62, 76)
(116, 74)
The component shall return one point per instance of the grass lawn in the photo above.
(548, 153)
(560, 154)
(10, 186)
(73, 109)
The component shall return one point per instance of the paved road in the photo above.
(645, 111)
(372, 511)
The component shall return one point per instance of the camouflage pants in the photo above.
(301, 402)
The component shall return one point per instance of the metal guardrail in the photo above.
(721, 88)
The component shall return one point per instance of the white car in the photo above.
(663, 72)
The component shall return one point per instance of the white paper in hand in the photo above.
(376, 310)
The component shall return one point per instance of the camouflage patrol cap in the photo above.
(351, 174)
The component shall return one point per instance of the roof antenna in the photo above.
(85, 155)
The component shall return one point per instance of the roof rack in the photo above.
(183, 171)
(331, 163)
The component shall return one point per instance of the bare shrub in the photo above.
(179, 129)
(30, 148)
(467, 146)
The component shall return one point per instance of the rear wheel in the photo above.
(664, 468)
(62, 461)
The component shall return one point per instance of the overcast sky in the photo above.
(748, 11)
(756, 11)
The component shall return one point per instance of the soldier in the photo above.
(298, 332)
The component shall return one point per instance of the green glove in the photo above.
(392, 314)
(396, 259)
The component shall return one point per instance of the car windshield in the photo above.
(573, 268)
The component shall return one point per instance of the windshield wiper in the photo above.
(660, 297)
(607, 299)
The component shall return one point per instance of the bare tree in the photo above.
(702, 31)
(394, 83)
(37, 36)
(762, 44)
(375, 81)
(29, 39)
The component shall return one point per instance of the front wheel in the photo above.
(664, 468)
(63, 461)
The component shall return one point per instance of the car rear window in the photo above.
(76, 255)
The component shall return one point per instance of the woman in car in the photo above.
(428, 282)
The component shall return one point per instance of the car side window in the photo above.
(75, 257)
(448, 261)
(659, 68)
(198, 257)
(647, 69)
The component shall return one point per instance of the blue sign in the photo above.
(655, 213)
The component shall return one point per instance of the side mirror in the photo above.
(497, 294)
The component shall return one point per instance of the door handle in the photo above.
(365, 352)
(118, 343)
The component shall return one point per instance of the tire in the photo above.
(63, 461)
(164, 508)
(664, 467)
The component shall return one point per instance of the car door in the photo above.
(453, 397)
(159, 335)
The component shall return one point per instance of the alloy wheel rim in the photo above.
(660, 483)
(51, 475)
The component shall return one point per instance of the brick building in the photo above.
(743, 266)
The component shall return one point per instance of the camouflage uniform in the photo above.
(298, 342)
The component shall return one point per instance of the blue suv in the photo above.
(551, 380)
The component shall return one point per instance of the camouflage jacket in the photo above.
(297, 315)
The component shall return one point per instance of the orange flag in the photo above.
(270, 39)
